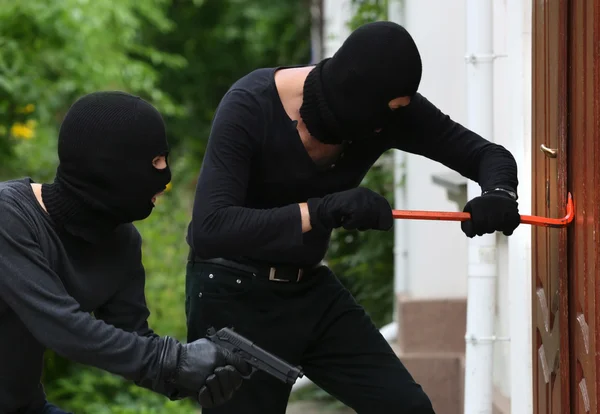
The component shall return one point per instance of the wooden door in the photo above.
(566, 263)
(549, 265)
(584, 179)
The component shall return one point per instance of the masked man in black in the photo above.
(288, 150)
(69, 248)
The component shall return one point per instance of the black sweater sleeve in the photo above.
(424, 130)
(127, 309)
(37, 295)
(221, 225)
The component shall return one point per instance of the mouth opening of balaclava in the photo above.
(346, 97)
(105, 177)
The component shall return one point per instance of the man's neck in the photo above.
(37, 191)
(290, 86)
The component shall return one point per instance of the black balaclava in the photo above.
(105, 177)
(346, 96)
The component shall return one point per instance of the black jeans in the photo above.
(316, 324)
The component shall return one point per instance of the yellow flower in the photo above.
(23, 130)
(27, 109)
(169, 186)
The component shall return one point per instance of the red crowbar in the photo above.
(452, 216)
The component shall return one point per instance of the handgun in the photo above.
(255, 356)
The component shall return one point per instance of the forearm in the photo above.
(424, 130)
(56, 320)
(77, 336)
(497, 168)
(237, 230)
(305, 217)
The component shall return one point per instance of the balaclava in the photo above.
(346, 96)
(105, 177)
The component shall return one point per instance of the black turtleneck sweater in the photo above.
(256, 170)
(50, 283)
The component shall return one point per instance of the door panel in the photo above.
(584, 153)
(549, 267)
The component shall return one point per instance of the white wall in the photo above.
(502, 136)
(437, 255)
(336, 14)
(437, 251)
(519, 40)
(512, 128)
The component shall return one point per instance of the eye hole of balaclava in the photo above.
(161, 162)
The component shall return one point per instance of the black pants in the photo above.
(316, 324)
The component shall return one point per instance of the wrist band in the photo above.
(510, 193)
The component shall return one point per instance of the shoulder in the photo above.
(14, 189)
(256, 84)
(16, 198)
(19, 217)
(420, 115)
(420, 107)
(249, 98)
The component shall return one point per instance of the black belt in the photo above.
(279, 273)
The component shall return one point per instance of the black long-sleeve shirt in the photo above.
(256, 170)
(49, 286)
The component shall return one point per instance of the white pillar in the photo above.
(395, 14)
(316, 30)
(482, 269)
(519, 244)
(336, 15)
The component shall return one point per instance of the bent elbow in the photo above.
(497, 150)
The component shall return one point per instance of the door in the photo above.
(566, 156)
(584, 179)
(549, 265)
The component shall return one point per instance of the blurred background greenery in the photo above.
(181, 55)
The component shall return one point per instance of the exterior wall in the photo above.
(436, 252)
(437, 266)
(502, 95)
(336, 14)
(519, 43)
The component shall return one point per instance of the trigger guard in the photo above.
(252, 371)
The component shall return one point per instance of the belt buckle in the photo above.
(272, 277)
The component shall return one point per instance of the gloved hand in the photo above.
(201, 369)
(493, 211)
(355, 209)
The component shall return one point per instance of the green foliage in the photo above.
(182, 55)
(367, 11)
(89, 390)
(223, 40)
(51, 52)
(36, 156)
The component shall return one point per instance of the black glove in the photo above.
(356, 209)
(202, 370)
(493, 211)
